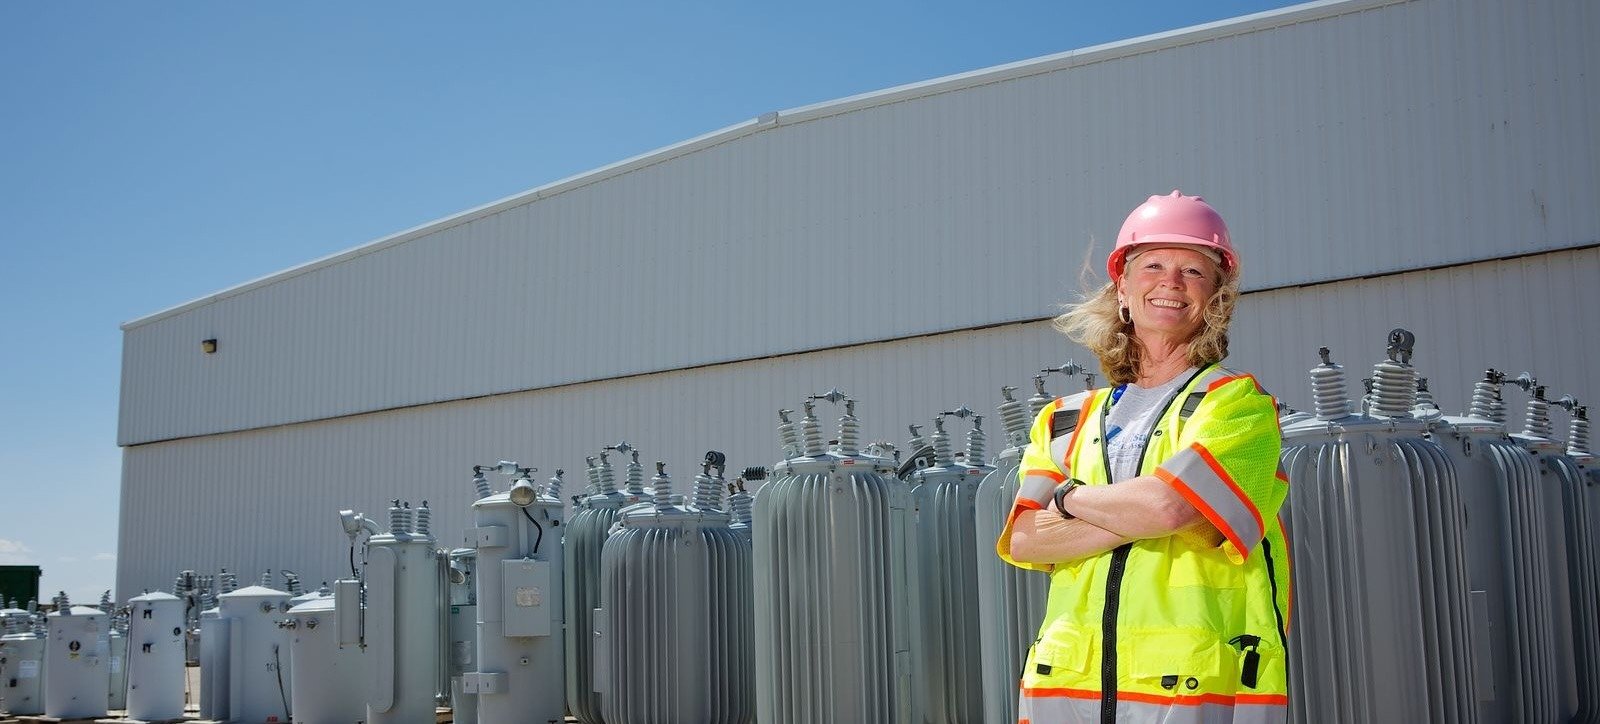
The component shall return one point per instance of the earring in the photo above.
(1126, 318)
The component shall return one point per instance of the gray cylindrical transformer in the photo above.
(1381, 629)
(402, 628)
(75, 663)
(519, 672)
(585, 537)
(832, 626)
(155, 657)
(258, 671)
(1571, 518)
(22, 672)
(944, 598)
(325, 676)
(676, 637)
(1512, 595)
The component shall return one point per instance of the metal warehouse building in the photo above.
(1430, 164)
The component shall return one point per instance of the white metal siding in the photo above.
(1539, 314)
(1369, 138)
(266, 498)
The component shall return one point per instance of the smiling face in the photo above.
(1165, 290)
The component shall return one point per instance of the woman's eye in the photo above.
(1191, 271)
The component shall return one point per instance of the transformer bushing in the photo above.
(675, 640)
(519, 587)
(1380, 630)
(584, 540)
(1573, 537)
(1011, 600)
(156, 655)
(832, 625)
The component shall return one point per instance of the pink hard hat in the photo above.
(1175, 220)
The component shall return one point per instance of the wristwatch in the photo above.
(1061, 496)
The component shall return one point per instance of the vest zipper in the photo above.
(1119, 562)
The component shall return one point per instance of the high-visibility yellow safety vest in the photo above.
(1167, 629)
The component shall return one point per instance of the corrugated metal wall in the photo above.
(267, 498)
(1360, 137)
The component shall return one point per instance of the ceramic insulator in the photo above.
(424, 522)
(811, 430)
(1013, 418)
(1330, 397)
(740, 505)
(608, 478)
(787, 436)
(481, 484)
(707, 490)
(942, 456)
(849, 430)
(662, 485)
(1394, 389)
(1536, 419)
(1578, 436)
(553, 486)
(636, 478)
(1424, 395)
(1486, 403)
(917, 441)
(1039, 400)
(397, 519)
(977, 442)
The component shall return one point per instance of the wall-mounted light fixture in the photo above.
(208, 346)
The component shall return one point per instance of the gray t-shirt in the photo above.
(1132, 419)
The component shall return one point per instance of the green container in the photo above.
(20, 584)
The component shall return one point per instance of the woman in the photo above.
(1169, 588)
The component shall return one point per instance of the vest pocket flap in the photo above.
(1065, 647)
(1154, 654)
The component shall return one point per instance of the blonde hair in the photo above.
(1096, 323)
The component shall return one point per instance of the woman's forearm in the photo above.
(1143, 507)
(1043, 536)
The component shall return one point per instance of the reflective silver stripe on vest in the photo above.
(1037, 488)
(1207, 481)
(1069, 710)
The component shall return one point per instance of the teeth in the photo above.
(1168, 303)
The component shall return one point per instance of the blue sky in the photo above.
(152, 153)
